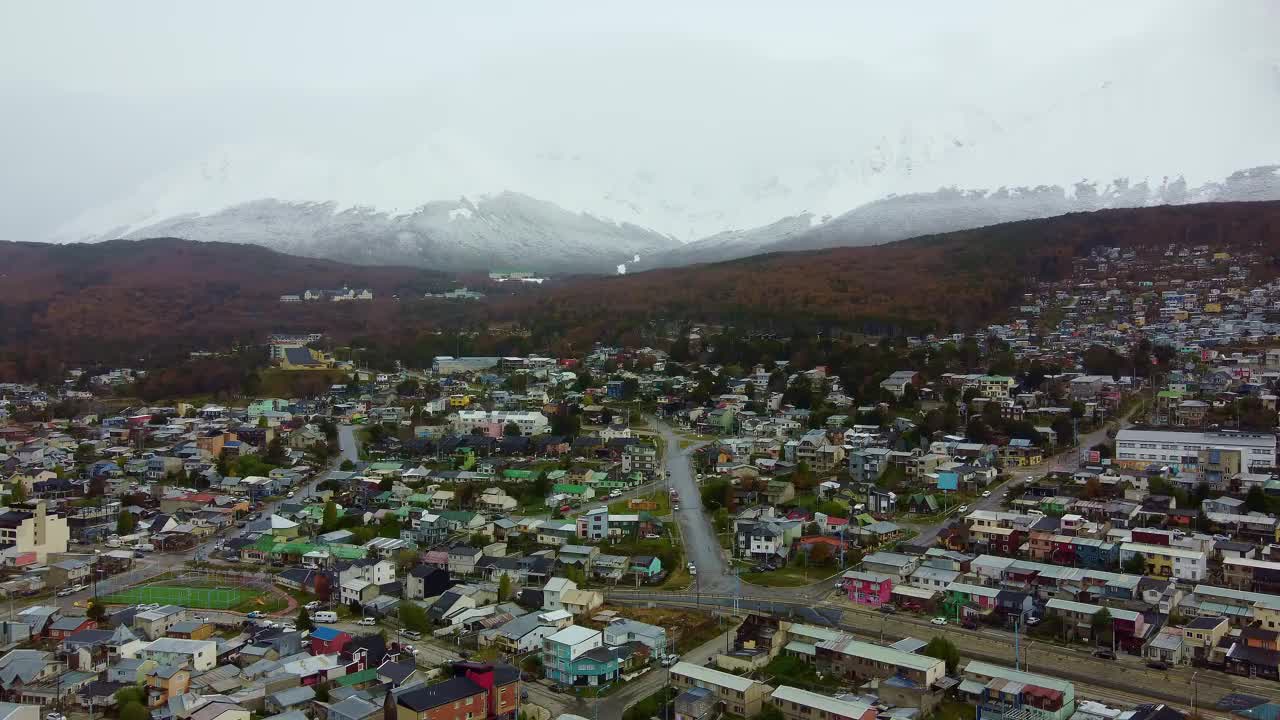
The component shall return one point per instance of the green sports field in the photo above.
(213, 598)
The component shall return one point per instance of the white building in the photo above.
(1181, 450)
(198, 655)
(1164, 561)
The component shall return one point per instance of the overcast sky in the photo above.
(690, 114)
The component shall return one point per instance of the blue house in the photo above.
(1096, 554)
(645, 565)
(613, 389)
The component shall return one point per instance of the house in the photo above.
(294, 698)
(563, 654)
(622, 631)
(866, 588)
(475, 692)
(526, 633)
(646, 566)
(738, 695)
(424, 581)
(155, 624)
(328, 641)
(198, 655)
(1202, 636)
(165, 682)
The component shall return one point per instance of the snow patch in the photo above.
(461, 212)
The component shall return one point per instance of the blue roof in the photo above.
(326, 633)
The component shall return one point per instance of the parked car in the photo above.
(65, 592)
(969, 624)
(1104, 654)
(615, 493)
(652, 536)
(939, 621)
(411, 634)
(368, 621)
(252, 616)
(1158, 665)
(1033, 620)
(528, 677)
(888, 609)
(963, 509)
(313, 605)
(986, 493)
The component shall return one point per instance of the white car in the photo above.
(66, 591)
(693, 571)
(939, 621)
(963, 508)
(313, 605)
(615, 493)
(986, 493)
(368, 621)
(652, 536)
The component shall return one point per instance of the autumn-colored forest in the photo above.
(160, 298)
(953, 281)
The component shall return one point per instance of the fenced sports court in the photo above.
(201, 589)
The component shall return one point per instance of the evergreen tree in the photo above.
(125, 523)
(303, 622)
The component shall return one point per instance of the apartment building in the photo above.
(855, 660)
(1164, 561)
(1004, 692)
(738, 695)
(32, 529)
(797, 704)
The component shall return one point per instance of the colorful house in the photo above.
(964, 600)
(866, 588)
(328, 640)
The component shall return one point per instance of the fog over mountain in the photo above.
(331, 129)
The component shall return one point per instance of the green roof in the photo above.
(418, 499)
(364, 676)
(462, 516)
(519, 474)
(556, 474)
(385, 466)
(569, 489)
(348, 552)
(293, 548)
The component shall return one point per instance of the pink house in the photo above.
(866, 588)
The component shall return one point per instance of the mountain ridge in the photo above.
(461, 235)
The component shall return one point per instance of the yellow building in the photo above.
(459, 401)
(305, 358)
(1213, 307)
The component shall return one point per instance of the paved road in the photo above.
(700, 544)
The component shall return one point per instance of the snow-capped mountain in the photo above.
(505, 230)
(903, 216)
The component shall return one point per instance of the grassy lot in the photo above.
(619, 507)
(797, 673)
(953, 710)
(793, 575)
